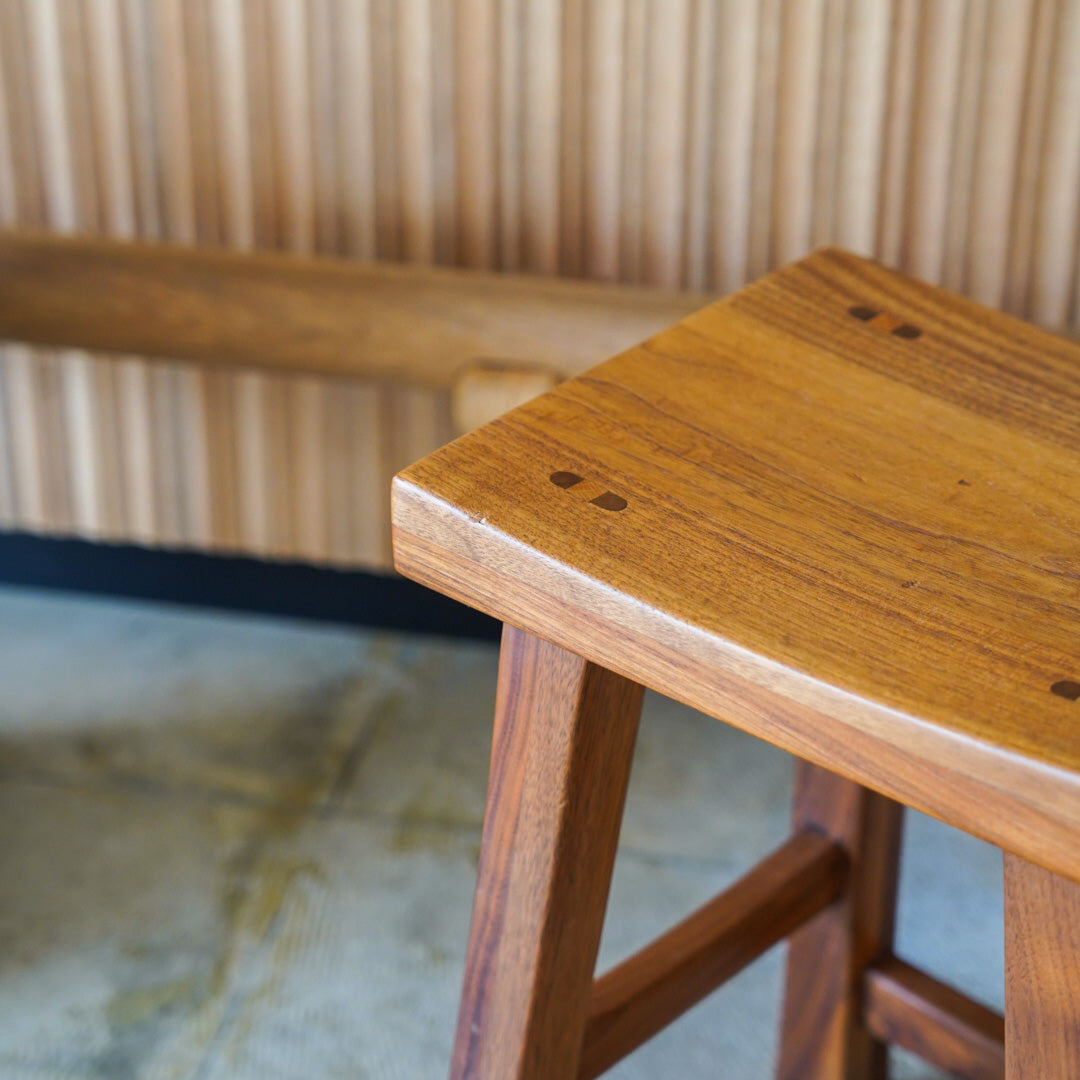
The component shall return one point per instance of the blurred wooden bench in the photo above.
(425, 326)
(258, 359)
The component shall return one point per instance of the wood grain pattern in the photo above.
(822, 1035)
(911, 1009)
(560, 762)
(635, 1000)
(1042, 973)
(858, 546)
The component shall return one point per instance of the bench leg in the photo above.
(560, 763)
(1042, 973)
(822, 1035)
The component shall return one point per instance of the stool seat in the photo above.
(839, 509)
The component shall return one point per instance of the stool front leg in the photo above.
(560, 763)
(1042, 973)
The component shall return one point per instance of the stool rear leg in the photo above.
(560, 762)
(822, 1035)
(1042, 973)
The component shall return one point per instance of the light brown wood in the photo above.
(560, 762)
(822, 1034)
(911, 1009)
(303, 315)
(1042, 973)
(635, 1000)
(487, 389)
(857, 544)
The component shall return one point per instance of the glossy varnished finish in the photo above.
(1042, 974)
(560, 763)
(822, 1035)
(294, 314)
(858, 543)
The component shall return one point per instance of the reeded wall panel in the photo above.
(690, 143)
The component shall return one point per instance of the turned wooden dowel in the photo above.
(331, 316)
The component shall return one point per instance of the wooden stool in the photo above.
(840, 510)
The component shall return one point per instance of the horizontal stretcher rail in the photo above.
(906, 1007)
(641, 996)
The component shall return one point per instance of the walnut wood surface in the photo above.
(822, 1035)
(635, 1000)
(312, 315)
(857, 543)
(1042, 974)
(560, 762)
(909, 1008)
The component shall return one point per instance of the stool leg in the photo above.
(822, 1036)
(1042, 973)
(560, 763)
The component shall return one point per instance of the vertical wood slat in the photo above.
(1001, 100)
(682, 143)
(355, 89)
(733, 139)
(700, 117)
(664, 150)
(762, 149)
(474, 121)
(826, 143)
(962, 178)
(897, 130)
(936, 92)
(861, 136)
(1058, 214)
(540, 122)
(414, 130)
(602, 126)
(798, 105)
(135, 434)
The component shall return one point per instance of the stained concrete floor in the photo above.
(244, 847)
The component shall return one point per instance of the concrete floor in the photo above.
(240, 847)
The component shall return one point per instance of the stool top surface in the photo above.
(839, 508)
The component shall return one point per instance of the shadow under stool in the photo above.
(840, 510)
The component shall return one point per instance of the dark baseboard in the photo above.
(235, 583)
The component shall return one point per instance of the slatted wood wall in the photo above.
(686, 143)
